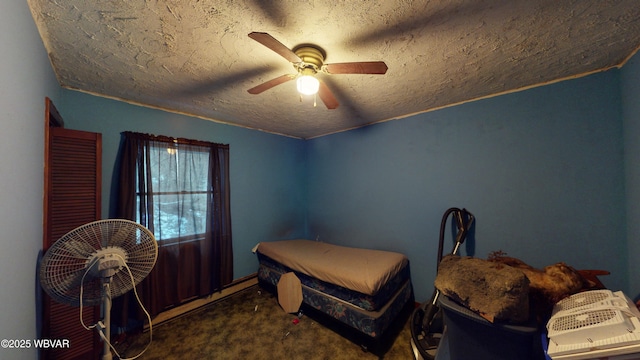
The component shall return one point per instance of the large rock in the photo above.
(496, 292)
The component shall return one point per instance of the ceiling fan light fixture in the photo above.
(307, 85)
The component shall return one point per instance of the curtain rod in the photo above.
(169, 139)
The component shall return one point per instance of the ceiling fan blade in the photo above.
(275, 45)
(365, 67)
(327, 96)
(271, 83)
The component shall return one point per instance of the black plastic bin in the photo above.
(472, 337)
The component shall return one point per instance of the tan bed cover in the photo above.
(357, 269)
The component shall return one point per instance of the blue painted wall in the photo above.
(630, 80)
(268, 187)
(542, 171)
(25, 79)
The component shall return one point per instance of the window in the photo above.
(179, 191)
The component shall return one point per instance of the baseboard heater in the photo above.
(235, 286)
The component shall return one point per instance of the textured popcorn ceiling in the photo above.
(195, 57)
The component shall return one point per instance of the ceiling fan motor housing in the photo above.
(312, 57)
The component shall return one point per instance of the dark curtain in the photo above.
(188, 266)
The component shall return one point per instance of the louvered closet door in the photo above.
(72, 198)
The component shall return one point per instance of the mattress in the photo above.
(363, 270)
(272, 269)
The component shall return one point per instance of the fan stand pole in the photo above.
(106, 319)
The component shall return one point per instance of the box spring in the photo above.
(371, 323)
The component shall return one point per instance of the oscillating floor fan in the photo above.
(97, 262)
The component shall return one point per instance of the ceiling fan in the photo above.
(308, 60)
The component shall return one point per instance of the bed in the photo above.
(362, 291)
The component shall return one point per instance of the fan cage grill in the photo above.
(69, 260)
(577, 321)
(588, 326)
(584, 299)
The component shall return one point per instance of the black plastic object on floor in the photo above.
(427, 320)
(472, 337)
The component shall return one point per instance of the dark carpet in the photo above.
(251, 325)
